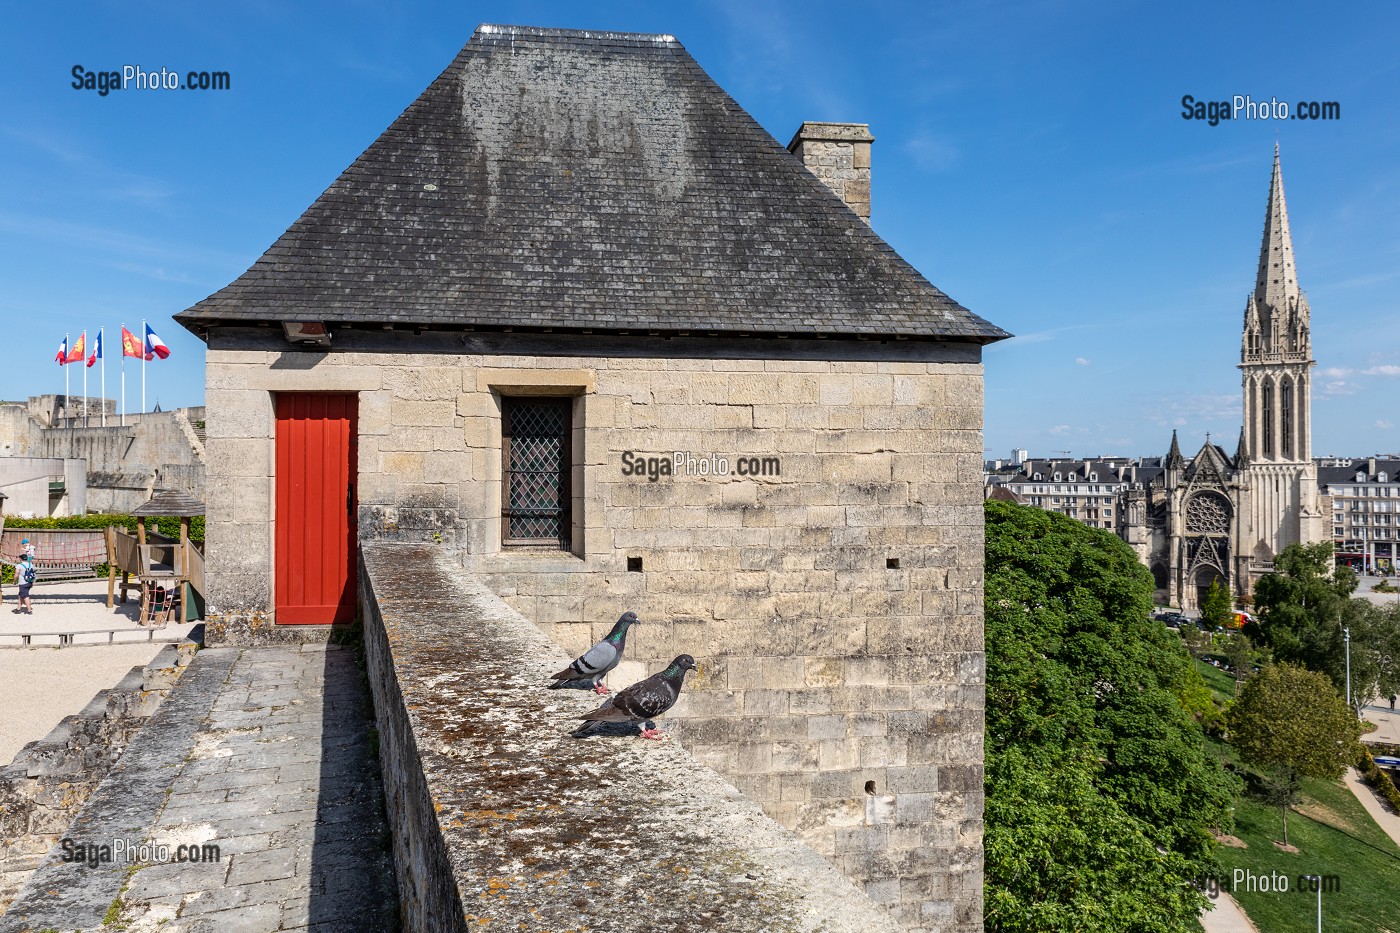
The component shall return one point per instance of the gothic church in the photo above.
(1221, 517)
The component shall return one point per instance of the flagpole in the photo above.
(67, 405)
(85, 369)
(143, 366)
(104, 374)
(123, 375)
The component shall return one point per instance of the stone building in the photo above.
(578, 319)
(1365, 497)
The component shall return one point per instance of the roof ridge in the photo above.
(551, 32)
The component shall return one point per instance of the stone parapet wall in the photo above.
(46, 784)
(499, 815)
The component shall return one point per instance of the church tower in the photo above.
(1275, 361)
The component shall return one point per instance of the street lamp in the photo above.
(1317, 879)
(1346, 638)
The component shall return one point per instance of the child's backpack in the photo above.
(30, 572)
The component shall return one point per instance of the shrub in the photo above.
(170, 527)
(1378, 779)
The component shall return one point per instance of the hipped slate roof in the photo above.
(582, 180)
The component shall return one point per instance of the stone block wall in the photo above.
(835, 604)
(48, 782)
(124, 463)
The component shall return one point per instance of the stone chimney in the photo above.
(838, 154)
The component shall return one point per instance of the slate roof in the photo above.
(583, 180)
(1346, 475)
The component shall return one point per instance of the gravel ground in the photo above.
(42, 685)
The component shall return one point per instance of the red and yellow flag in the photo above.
(79, 351)
(131, 344)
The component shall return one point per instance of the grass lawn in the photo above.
(1364, 860)
(1222, 683)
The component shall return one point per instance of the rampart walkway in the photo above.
(264, 753)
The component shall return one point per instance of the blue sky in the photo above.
(1030, 158)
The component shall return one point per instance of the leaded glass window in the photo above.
(536, 462)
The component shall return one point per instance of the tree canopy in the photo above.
(1300, 607)
(1100, 795)
(1290, 722)
(1305, 606)
(1216, 607)
(1293, 718)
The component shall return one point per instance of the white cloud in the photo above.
(1081, 361)
(1388, 369)
(1335, 372)
(1384, 425)
(1339, 387)
(1060, 430)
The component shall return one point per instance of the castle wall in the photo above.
(836, 604)
(125, 463)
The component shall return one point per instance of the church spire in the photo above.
(1276, 286)
(1242, 451)
(1174, 459)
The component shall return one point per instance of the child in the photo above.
(24, 576)
(26, 547)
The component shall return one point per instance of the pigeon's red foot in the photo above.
(600, 689)
(655, 734)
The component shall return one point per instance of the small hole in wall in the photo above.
(891, 563)
(634, 565)
(870, 788)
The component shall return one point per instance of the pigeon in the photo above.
(595, 663)
(644, 700)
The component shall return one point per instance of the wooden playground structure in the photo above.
(169, 572)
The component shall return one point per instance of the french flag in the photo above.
(154, 345)
(62, 355)
(97, 352)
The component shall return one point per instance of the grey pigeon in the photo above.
(644, 700)
(595, 663)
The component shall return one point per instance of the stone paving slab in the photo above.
(76, 896)
(274, 766)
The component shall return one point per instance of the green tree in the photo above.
(1097, 778)
(1375, 650)
(1300, 608)
(1198, 700)
(1291, 722)
(1216, 606)
(1241, 655)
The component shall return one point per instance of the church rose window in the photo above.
(1207, 515)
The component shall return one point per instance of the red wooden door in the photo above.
(314, 561)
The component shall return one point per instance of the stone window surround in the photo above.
(580, 385)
